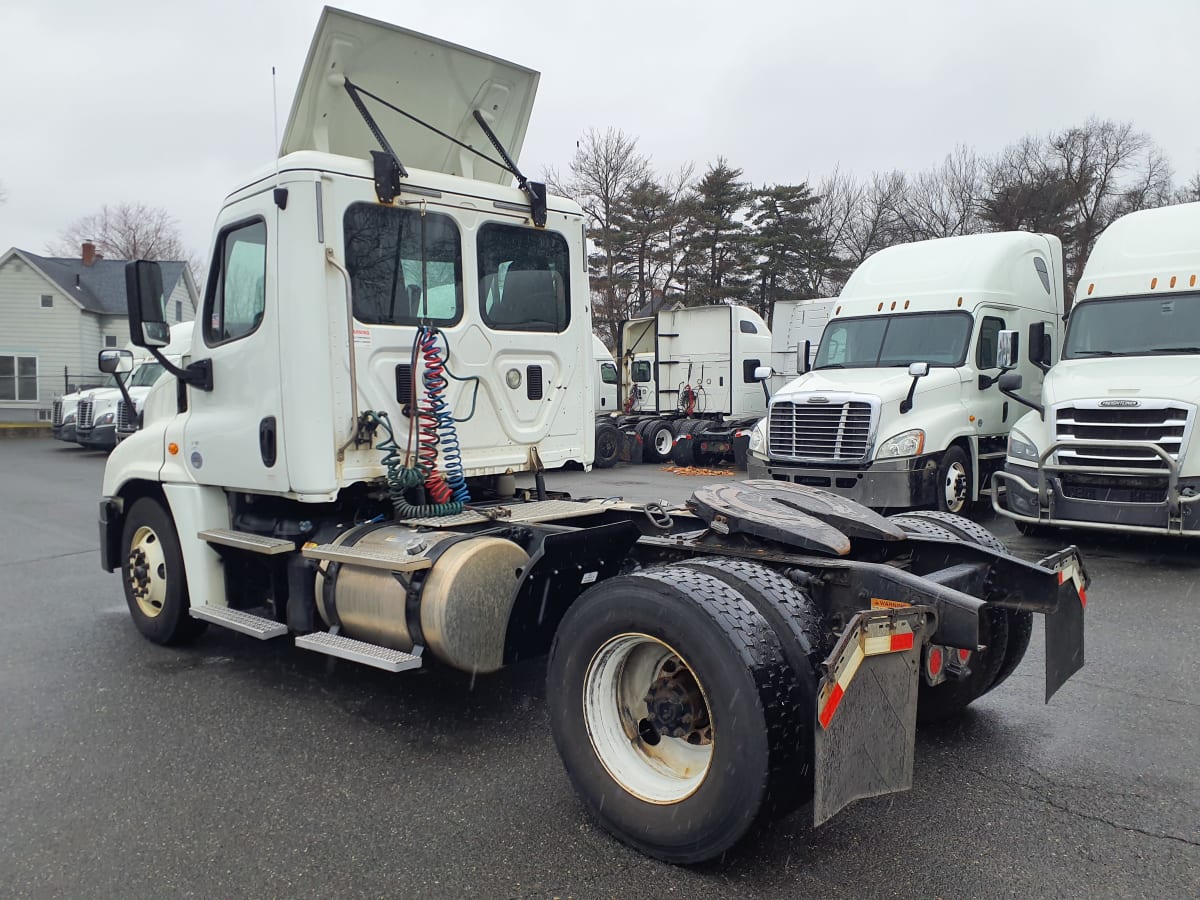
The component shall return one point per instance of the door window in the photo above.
(989, 341)
(608, 373)
(237, 298)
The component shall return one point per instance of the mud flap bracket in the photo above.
(866, 725)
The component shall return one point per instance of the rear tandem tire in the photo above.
(153, 575)
(608, 445)
(674, 711)
(684, 453)
(659, 438)
(996, 661)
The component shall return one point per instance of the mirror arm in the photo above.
(125, 393)
(1041, 410)
(907, 403)
(198, 374)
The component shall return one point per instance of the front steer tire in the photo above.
(153, 575)
(611, 714)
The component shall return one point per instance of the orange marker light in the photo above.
(1172, 281)
(960, 301)
(893, 306)
(173, 448)
(1091, 287)
(970, 418)
(906, 304)
(839, 309)
(879, 307)
(1153, 283)
(1192, 281)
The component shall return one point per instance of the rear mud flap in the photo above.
(1064, 626)
(867, 709)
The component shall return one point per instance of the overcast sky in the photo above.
(169, 104)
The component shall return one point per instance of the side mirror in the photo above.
(144, 298)
(1011, 381)
(114, 361)
(804, 357)
(918, 370)
(1037, 342)
(1007, 350)
(762, 373)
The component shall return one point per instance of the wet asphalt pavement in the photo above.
(240, 768)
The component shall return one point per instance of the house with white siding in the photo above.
(57, 314)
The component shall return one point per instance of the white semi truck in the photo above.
(1108, 445)
(901, 408)
(386, 336)
(796, 328)
(688, 381)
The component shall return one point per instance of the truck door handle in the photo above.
(266, 440)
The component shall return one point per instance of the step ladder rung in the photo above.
(239, 620)
(359, 651)
(245, 540)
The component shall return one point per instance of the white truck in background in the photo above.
(605, 393)
(901, 408)
(386, 337)
(1109, 443)
(796, 328)
(688, 381)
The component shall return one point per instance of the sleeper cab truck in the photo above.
(901, 408)
(1108, 443)
(381, 346)
(606, 381)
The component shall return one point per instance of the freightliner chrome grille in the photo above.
(1163, 422)
(836, 430)
(126, 418)
(56, 416)
(83, 416)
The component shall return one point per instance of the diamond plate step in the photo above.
(534, 511)
(373, 557)
(237, 620)
(359, 651)
(245, 540)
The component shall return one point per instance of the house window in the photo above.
(47, 301)
(18, 378)
(178, 310)
(110, 340)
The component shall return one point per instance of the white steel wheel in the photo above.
(148, 571)
(954, 482)
(648, 719)
(664, 440)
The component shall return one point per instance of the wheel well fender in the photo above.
(112, 517)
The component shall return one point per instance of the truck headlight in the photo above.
(1021, 448)
(758, 436)
(907, 443)
(105, 419)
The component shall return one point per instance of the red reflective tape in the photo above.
(902, 641)
(1062, 576)
(835, 697)
(1083, 598)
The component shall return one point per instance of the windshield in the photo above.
(146, 374)
(939, 339)
(1134, 326)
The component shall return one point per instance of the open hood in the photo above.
(437, 82)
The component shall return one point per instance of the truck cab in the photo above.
(901, 408)
(1107, 444)
(606, 378)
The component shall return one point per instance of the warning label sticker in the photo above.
(880, 603)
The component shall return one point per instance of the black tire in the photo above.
(1020, 622)
(684, 453)
(802, 634)
(915, 525)
(608, 445)
(747, 690)
(659, 440)
(953, 488)
(153, 575)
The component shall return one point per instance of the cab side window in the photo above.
(237, 297)
(608, 373)
(989, 342)
(640, 371)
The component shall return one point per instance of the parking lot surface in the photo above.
(237, 768)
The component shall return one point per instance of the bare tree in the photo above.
(1190, 192)
(603, 170)
(124, 231)
(943, 201)
(1110, 169)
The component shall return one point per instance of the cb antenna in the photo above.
(280, 192)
